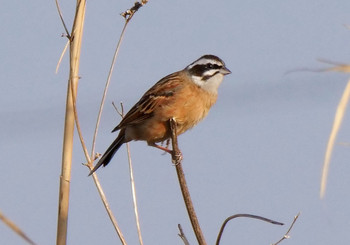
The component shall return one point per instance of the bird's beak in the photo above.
(225, 71)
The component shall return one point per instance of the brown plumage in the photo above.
(186, 96)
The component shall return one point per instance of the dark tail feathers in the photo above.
(112, 149)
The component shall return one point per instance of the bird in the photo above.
(185, 96)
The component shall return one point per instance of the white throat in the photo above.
(211, 85)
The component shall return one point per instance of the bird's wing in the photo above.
(160, 94)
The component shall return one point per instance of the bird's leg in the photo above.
(161, 147)
(167, 143)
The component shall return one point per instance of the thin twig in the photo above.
(182, 235)
(132, 180)
(108, 209)
(72, 93)
(246, 216)
(127, 16)
(106, 88)
(67, 35)
(15, 228)
(62, 55)
(121, 111)
(286, 236)
(96, 180)
(61, 17)
(90, 163)
(133, 191)
(177, 158)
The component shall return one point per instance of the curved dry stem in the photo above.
(15, 228)
(177, 158)
(339, 115)
(61, 57)
(246, 216)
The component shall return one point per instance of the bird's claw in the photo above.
(176, 157)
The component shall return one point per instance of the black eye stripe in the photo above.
(199, 70)
(213, 66)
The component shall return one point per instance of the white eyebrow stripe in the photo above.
(204, 62)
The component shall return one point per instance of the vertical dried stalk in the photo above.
(134, 199)
(339, 115)
(75, 46)
(177, 157)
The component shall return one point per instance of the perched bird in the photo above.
(185, 95)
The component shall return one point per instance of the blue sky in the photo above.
(259, 151)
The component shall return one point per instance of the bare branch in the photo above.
(121, 111)
(286, 236)
(182, 235)
(177, 158)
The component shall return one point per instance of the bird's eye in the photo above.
(210, 66)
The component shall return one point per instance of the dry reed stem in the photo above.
(339, 115)
(75, 47)
(75, 38)
(177, 158)
(15, 228)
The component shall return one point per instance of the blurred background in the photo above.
(259, 151)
